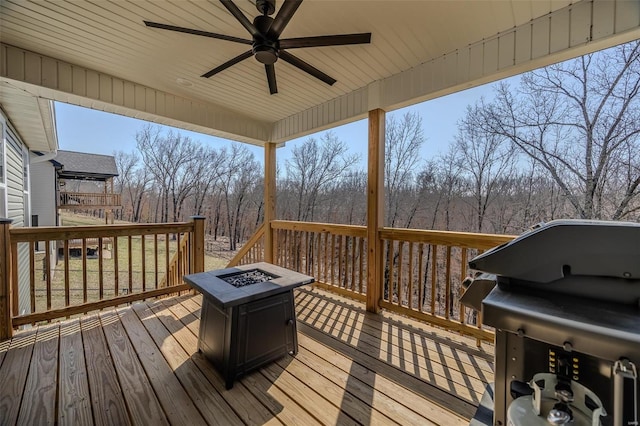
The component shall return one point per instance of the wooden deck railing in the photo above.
(422, 270)
(334, 254)
(62, 271)
(75, 200)
(252, 251)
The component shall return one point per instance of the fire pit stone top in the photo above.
(244, 283)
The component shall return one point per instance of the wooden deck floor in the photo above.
(139, 365)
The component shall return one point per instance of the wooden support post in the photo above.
(269, 200)
(375, 208)
(6, 329)
(197, 245)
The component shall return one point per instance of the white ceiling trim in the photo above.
(29, 116)
(575, 30)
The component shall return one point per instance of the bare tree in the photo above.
(313, 167)
(487, 159)
(403, 139)
(580, 120)
(208, 168)
(171, 161)
(241, 173)
(133, 182)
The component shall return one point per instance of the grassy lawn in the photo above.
(124, 277)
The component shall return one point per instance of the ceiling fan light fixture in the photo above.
(265, 53)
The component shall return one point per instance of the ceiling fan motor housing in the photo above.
(264, 49)
(266, 7)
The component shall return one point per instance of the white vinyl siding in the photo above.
(3, 168)
(43, 192)
(16, 209)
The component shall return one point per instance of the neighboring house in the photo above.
(74, 181)
(27, 123)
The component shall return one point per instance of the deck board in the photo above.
(141, 400)
(74, 401)
(107, 402)
(139, 364)
(40, 387)
(13, 375)
(178, 406)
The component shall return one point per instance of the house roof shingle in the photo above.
(81, 165)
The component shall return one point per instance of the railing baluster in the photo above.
(388, 256)
(447, 296)
(400, 262)
(66, 272)
(47, 254)
(179, 269)
(421, 280)
(307, 255)
(360, 263)
(463, 274)
(155, 259)
(326, 258)
(130, 263)
(410, 290)
(116, 271)
(100, 269)
(144, 262)
(167, 281)
(434, 277)
(340, 268)
(352, 240)
(32, 275)
(84, 270)
(14, 279)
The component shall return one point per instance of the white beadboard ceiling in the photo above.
(109, 37)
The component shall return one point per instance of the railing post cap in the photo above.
(4, 221)
(198, 217)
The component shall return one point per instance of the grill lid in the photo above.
(567, 248)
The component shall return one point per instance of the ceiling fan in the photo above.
(266, 45)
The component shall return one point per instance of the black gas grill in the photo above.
(566, 309)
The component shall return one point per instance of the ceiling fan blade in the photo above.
(329, 40)
(227, 64)
(271, 78)
(196, 32)
(237, 13)
(281, 20)
(310, 69)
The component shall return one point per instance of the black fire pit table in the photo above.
(248, 316)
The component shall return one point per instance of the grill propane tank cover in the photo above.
(566, 308)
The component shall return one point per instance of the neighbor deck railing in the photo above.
(422, 270)
(61, 271)
(71, 200)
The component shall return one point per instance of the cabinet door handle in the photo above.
(290, 322)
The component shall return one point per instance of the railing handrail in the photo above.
(91, 194)
(24, 235)
(338, 229)
(247, 246)
(454, 238)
